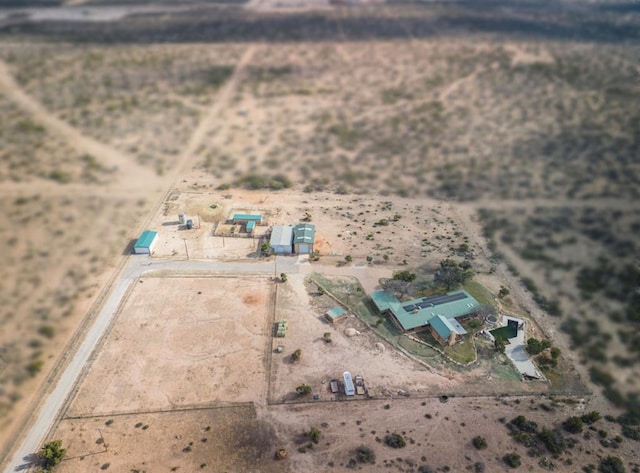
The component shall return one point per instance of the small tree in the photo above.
(499, 345)
(479, 442)
(327, 337)
(406, 276)
(303, 390)
(51, 454)
(503, 292)
(265, 249)
(348, 259)
(369, 259)
(296, 355)
(573, 425)
(314, 434)
(512, 459)
(283, 277)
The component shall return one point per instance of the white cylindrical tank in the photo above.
(182, 218)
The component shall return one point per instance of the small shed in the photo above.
(281, 240)
(335, 314)
(304, 235)
(244, 219)
(146, 242)
(250, 226)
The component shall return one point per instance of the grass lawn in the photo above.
(480, 293)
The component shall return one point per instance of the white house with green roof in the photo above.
(435, 313)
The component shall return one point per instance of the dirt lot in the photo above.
(180, 342)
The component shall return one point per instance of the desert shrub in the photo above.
(630, 432)
(611, 465)
(479, 467)
(365, 454)
(524, 425)
(296, 355)
(573, 425)
(479, 442)
(553, 440)
(426, 469)
(535, 346)
(314, 434)
(47, 331)
(512, 459)
(303, 390)
(591, 417)
(395, 441)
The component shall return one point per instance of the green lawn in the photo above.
(480, 293)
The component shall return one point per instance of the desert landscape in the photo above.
(409, 133)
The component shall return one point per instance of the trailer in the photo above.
(349, 388)
(334, 385)
(360, 389)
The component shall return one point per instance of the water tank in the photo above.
(189, 224)
(182, 218)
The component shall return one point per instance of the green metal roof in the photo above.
(418, 312)
(335, 313)
(304, 233)
(442, 326)
(249, 217)
(145, 239)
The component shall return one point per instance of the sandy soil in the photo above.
(181, 342)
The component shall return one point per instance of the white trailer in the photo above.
(349, 388)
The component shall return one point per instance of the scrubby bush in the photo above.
(365, 454)
(573, 425)
(303, 390)
(51, 454)
(512, 459)
(479, 442)
(611, 465)
(395, 441)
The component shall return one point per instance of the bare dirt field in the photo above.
(181, 342)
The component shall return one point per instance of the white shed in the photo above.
(282, 240)
(146, 242)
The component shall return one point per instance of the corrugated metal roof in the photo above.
(417, 312)
(255, 217)
(281, 235)
(146, 239)
(442, 326)
(304, 233)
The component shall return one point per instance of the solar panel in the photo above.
(409, 308)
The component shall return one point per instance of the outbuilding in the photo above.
(335, 314)
(303, 237)
(281, 240)
(146, 242)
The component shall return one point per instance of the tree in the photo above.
(503, 292)
(51, 454)
(479, 442)
(265, 249)
(406, 276)
(296, 355)
(499, 345)
(611, 465)
(451, 275)
(283, 277)
(535, 346)
(369, 259)
(398, 287)
(573, 425)
(512, 459)
(303, 390)
(327, 337)
(348, 259)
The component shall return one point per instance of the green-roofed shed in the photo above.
(335, 314)
(304, 235)
(246, 218)
(146, 242)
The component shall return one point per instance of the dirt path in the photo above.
(109, 157)
(222, 99)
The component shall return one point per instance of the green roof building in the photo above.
(437, 313)
(304, 235)
(146, 242)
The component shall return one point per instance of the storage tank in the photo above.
(182, 218)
